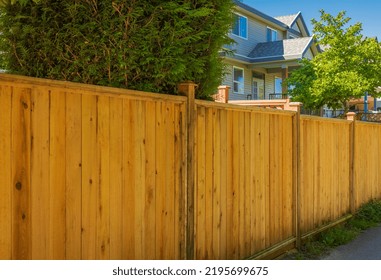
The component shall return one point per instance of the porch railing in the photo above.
(278, 96)
(266, 96)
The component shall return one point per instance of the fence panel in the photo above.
(367, 167)
(244, 180)
(90, 172)
(325, 168)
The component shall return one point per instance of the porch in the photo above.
(278, 101)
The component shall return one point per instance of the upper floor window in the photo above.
(240, 26)
(272, 35)
(238, 81)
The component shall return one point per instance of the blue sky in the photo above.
(368, 12)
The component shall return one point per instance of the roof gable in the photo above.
(289, 20)
(296, 19)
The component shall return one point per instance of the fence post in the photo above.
(296, 176)
(351, 116)
(188, 89)
(222, 95)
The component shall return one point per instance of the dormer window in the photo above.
(272, 35)
(240, 26)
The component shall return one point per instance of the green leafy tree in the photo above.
(149, 45)
(349, 66)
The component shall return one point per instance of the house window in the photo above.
(272, 35)
(240, 26)
(238, 81)
(278, 85)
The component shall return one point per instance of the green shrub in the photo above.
(148, 45)
(369, 215)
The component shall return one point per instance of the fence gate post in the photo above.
(188, 89)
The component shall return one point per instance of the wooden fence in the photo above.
(325, 171)
(92, 172)
(244, 164)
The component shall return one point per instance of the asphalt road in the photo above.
(367, 246)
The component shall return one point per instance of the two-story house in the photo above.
(266, 50)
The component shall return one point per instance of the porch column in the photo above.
(284, 77)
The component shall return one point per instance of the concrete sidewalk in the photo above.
(367, 246)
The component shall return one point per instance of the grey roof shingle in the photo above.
(289, 19)
(280, 50)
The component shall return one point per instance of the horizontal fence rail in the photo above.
(91, 172)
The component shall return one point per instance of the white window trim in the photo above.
(243, 81)
(247, 28)
(268, 27)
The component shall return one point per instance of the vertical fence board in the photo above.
(254, 184)
(229, 184)
(200, 190)
(161, 238)
(138, 110)
(286, 198)
(217, 180)
(209, 183)
(169, 215)
(224, 183)
(57, 174)
(116, 178)
(73, 176)
(150, 192)
(90, 176)
(248, 186)
(180, 179)
(241, 187)
(103, 194)
(129, 184)
(40, 181)
(21, 187)
(5, 173)
(234, 248)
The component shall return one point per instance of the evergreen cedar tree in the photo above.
(147, 45)
(349, 66)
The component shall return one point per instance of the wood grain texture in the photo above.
(5, 173)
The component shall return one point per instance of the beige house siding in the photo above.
(269, 84)
(256, 33)
(228, 81)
